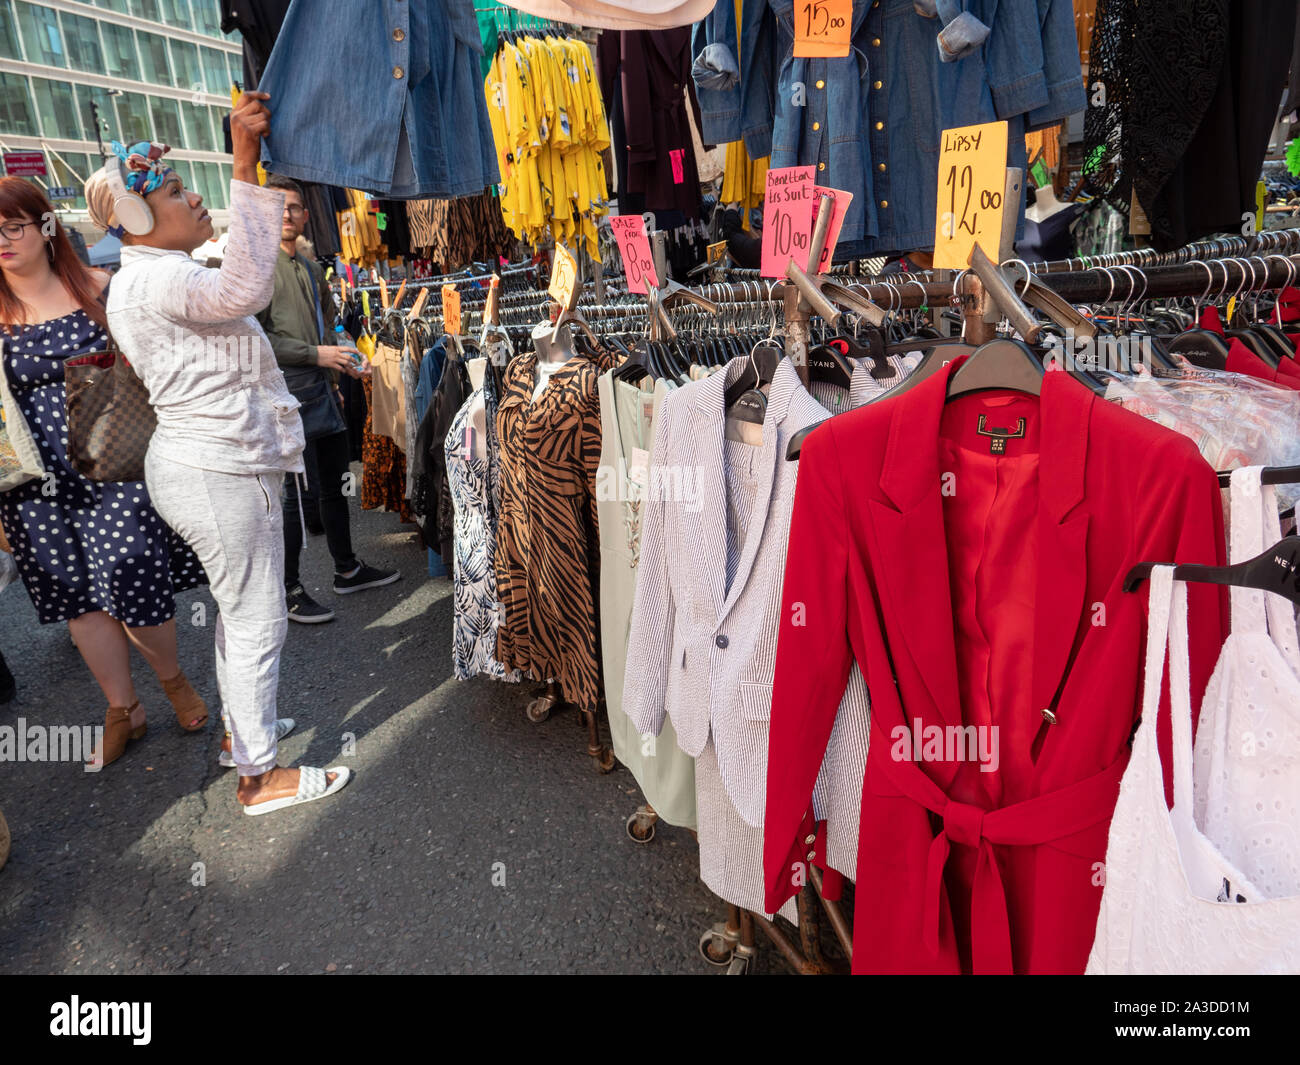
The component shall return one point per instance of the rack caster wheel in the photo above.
(604, 760)
(539, 709)
(641, 827)
(716, 947)
(739, 965)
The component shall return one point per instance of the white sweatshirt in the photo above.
(190, 334)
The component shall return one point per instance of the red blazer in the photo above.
(1244, 361)
(947, 886)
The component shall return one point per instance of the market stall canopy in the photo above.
(618, 14)
(108, 252)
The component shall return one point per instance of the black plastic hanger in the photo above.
(1277, 570)
(999, 364)
(1268, 475)
(1201, 347)
(747, 387)
(828, 365)
(1260, 347)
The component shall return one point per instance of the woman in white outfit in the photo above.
(228, 428)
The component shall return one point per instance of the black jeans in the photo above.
(326, 459)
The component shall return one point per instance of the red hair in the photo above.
(20, 197)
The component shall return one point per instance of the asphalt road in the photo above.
(395, 874)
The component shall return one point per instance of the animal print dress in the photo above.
(548, 543)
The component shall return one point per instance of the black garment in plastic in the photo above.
(258, 22)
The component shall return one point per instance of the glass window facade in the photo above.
(167, 123)
(154, 62)
(9, 46)
(198, 130)
(216, 73)
(81, 36)
(120, 59)
(146, 9)
(41, 36)
(122, 7)
(58, 108)
(134, 121)
(182, 167)
(17, 115)
(186, 73)
(69, 168)
(177, 13)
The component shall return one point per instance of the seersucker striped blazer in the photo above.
(705, 654)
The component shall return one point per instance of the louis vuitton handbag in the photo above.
(20, 461)
(110, 421)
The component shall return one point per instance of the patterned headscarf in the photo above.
(145, 169)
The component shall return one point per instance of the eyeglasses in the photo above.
(293, 210)
(15, 230)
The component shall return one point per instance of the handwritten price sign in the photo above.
(634, 246)
(451, 310)
(841, 208)
(972, 179)
(822, 28)
(564, 277)
(787, 219)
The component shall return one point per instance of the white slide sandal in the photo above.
(283, 726)
(313, 784)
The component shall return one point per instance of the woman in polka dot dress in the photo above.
(97, 556)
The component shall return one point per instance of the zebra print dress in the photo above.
(548, 544)
(477, 611)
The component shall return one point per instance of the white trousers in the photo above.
(235, 525)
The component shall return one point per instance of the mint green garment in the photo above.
(664, 772)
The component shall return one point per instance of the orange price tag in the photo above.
(564, 276)
(822, 28)
(451, 310)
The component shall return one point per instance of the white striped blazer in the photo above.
(704, 655)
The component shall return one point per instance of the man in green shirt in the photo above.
(299, 319)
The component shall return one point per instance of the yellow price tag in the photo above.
(451, 310)
(717, 252)
(564, 277)
(822, 28)
(972, 182)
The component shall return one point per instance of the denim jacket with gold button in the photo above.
(871, 122)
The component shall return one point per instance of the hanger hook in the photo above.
(1024, 266)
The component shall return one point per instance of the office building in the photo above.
(149, 68)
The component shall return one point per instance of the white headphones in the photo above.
(133, 214)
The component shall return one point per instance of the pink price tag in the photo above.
(841, 208)
(634, 247)
(787, 219)
(679, 166)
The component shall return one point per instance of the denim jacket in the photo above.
(383, 96)
(871, 122)
(742, 111)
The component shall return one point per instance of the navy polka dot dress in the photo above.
(80, 545)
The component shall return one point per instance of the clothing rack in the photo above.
(460, 277)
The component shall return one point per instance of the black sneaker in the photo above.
(304, 609)
(364, 577)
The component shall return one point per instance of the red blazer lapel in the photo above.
(913, 552)
(1059, 611)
